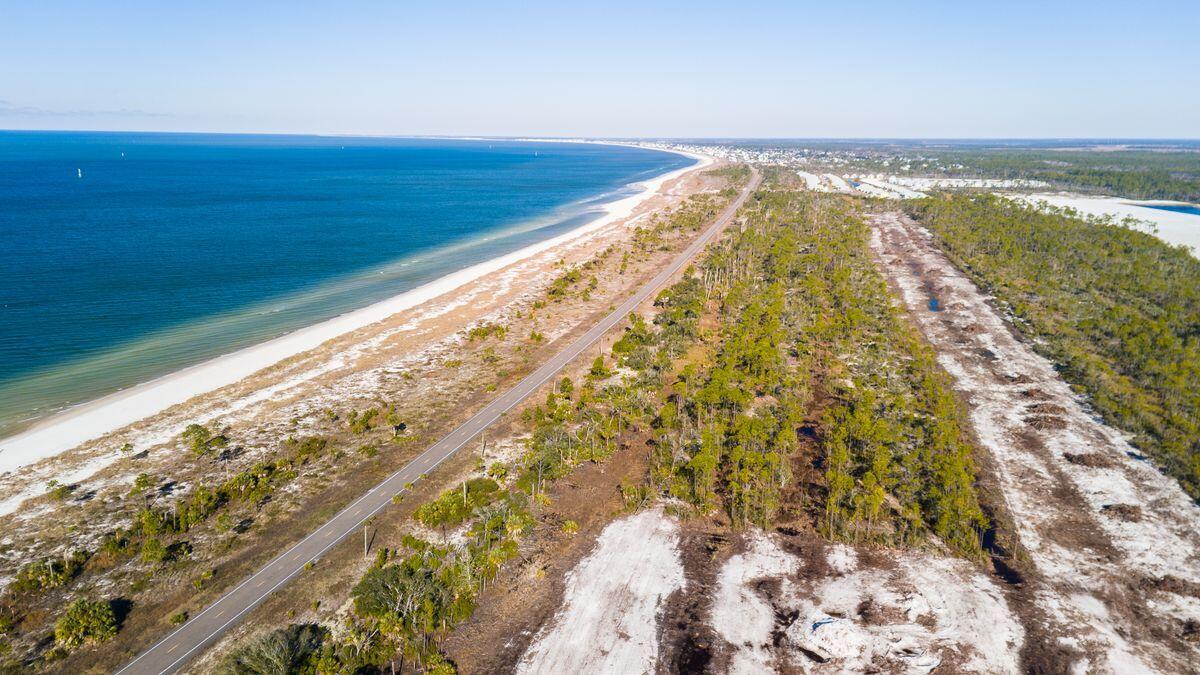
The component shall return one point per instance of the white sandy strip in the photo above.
(838, 182)
(932, 606)
(609, 619)
(742, 616)
(64, 431)
(920, 183)
(1006, 396)
(872, 190)
(892, 191)
(811, 181)
(1173, 227)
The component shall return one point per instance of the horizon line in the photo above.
(578, 137)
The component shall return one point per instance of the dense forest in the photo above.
(1134, 174)
(1117, 309)
(804, 313)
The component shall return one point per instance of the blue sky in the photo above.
(687, 69)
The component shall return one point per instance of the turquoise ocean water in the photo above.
(124, 257)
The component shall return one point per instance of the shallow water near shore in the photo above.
(129, 256)
(1191, 209)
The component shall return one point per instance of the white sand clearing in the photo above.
(811, 181)
(609, 619)
(889, 190)
(62, 432)
(924, 613)
(742, 616)
(838, 182)
(918, 183)
(872, 190)
(1172, 227)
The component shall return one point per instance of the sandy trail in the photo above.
(1119, 587)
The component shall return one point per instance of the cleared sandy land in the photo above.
(921, 183)
(811, 181)
(773, 604)
(839, 184)
(1171, 226)
(609, 620)
(1114, 544)
(913, 613)
(879, 187)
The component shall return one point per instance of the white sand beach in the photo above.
(89, 421)
(1170, 226)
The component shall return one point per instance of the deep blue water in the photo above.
(175, 248)
(1178, 208)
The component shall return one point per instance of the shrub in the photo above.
(59, 491)
(286, 650)
(50, 573)
(85, 622)
(153, 551)
(485, 331)
(454, 505)
(311, 447)
(598, 370)
(362, 423)
(201, 441)
(143, 482)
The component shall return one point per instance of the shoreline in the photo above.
(70, 428)
(1173, 227)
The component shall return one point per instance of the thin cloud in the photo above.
(10, 109)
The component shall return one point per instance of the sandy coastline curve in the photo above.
(88, 421)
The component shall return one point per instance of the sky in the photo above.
(1015, 69)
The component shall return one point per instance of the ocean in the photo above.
(125, 256)
(1190, 209)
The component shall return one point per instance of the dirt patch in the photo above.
(688, 642)
(1044, 422)
(1090, 459)
(1127, 512)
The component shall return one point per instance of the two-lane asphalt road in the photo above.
(174, 651)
